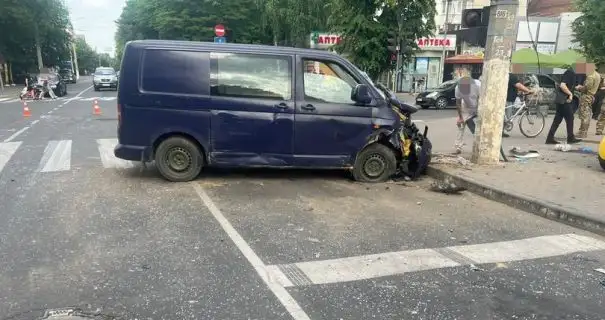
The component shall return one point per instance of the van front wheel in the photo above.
(375, 163)
(179, 159)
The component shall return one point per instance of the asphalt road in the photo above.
(83, 229)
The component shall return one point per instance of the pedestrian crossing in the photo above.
(62, 155)
(13, 100)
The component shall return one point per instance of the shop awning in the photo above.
(465, 59)
(529, 56)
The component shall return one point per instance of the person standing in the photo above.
(598, 99)
(467, 101)
(588, 90)
(564, 109)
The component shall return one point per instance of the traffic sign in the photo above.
(220, 40)
(219, 30)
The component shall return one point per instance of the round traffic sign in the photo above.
(219, 30)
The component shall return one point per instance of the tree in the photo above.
(87, 57)
(589, 29)
(365, 34)
(36, 31)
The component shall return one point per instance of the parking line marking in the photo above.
(275, 286)
(108, 159)
(528, 249)
(394, 263)
(57, 156)
(374, 266)
(7, 149)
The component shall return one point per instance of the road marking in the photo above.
(394, 263)
(14, 135)
(7, 149)
(275, 286)
(108, 159)
(527, 249)
(57, 156)
(34, 122)
(3, 99)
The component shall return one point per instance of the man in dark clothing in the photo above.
(565, 110)
(514, 86)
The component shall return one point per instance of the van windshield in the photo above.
(367, 77)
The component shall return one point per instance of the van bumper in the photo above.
(131, 153)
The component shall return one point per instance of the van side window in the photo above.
(245, 75)
(177, 72)
(327, 82)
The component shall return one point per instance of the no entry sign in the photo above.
(219, 30)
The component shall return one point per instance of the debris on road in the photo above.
(456, 160)
(520, 154)
(446, 186)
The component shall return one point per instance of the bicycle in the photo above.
(524, 112)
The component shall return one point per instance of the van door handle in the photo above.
(281, 105)
(308, 107)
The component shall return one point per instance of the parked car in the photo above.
(440, 97)
(546, 88)
(188, 105)
(105, 78)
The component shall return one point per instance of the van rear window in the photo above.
(251, 76)
(177, 72)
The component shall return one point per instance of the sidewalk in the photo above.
(10, 92)
(565, 186)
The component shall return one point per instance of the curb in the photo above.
(541, 208)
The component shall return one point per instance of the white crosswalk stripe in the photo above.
(7, 149)
(13, 100)
(57, 156)
(106, 147)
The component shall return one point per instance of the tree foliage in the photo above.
(589, 29)
(283, 22)
(27, 22)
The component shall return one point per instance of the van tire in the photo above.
(375, 163)
(179, 159)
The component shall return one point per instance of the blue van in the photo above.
(187, 105)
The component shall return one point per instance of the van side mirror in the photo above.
(361, 94)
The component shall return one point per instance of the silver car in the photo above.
(105, 78)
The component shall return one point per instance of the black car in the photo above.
(67, 75)
(440, 97)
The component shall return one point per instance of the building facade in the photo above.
(429, 63)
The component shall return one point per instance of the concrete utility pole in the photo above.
(448, 3)
(501, 36)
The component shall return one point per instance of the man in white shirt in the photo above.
(467, 101)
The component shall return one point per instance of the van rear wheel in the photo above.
(179, 159)
(375, 163)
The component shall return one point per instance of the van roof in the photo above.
(173, 44)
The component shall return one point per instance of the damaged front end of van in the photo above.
(410, 145)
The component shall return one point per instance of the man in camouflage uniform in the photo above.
(588, 90)
(601, 120)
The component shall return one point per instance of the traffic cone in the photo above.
(26, 112)
(96, 109)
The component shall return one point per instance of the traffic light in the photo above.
(472, 18)
(392, 39)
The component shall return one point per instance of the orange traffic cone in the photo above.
(95, 108)
(26, 112)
